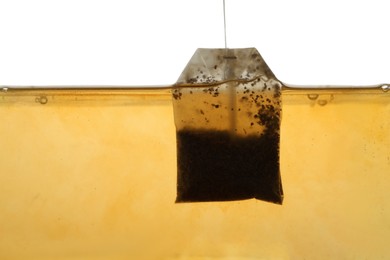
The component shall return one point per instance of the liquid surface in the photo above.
(85, 175)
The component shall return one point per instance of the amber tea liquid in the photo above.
(91, 174)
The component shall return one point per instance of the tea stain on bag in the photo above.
(227, 114)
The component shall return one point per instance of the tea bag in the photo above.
(227, 107)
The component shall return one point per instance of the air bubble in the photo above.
(43, 100)
(385, 87)
(322, 102)
(312, 96)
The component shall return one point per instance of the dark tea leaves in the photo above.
(216, 166)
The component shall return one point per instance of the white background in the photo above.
(149, 42)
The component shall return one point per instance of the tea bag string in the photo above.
(228, 60)
(224, 23)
